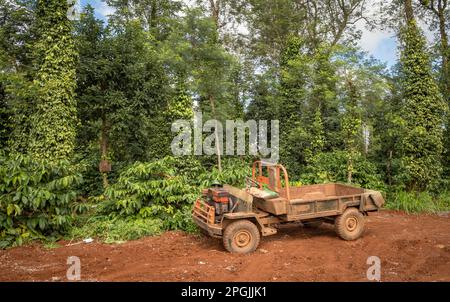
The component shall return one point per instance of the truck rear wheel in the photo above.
(241, 236)
(350, 225)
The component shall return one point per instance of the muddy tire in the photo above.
(241, 236)
(350, 225)
(312, 224)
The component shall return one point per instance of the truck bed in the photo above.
(322, 200)
(321, 191)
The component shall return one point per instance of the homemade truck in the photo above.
(241, 216)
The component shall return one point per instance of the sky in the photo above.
(102, 10)
(382, 45)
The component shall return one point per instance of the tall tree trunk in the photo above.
(350, 169)
(409, 12)
(444, 40)
(438, 9)
(389, 168)
(215, 11)
(153, 16)
(445, 53)
(216, 131)
(104, 149)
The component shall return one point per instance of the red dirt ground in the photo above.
(411, 248)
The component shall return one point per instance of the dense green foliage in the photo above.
(94, 100)
(422, 116)
(37, 199)
(414, 202)
(116, 229)
(121, 89)
(333, 167)
(159, 193)
(164, 186)
(54, 116)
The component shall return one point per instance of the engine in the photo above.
(220, 199)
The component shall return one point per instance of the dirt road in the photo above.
(411, 248)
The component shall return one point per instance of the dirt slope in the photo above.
(411, 248)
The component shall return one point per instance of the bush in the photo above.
(413, 202)
(92, 179)
(233, 173)
(166, 189)
(332, 167)
(117, 229)
(151, 189)
(181, 220)
(37, 199)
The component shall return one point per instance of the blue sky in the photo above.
(381, 45)
(101, 9)
(386, 50)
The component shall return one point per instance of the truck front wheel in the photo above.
(350, 225)
(241, 236)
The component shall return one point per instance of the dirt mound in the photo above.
(411, 248)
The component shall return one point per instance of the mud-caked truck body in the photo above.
(241, 216)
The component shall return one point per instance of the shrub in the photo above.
(117, 229)
(332, 167)
(151, 189)
(166, 189)
(233, 173)
(416, 202)
(181, 220)
(37, 199)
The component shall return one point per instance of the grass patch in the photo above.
(413, 202)
(51, 245)
(116, 230)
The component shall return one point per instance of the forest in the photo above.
(87, 104)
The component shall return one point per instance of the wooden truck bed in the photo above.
(322, 200)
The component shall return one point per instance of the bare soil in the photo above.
(411, 248)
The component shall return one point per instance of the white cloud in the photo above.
(371, 40)
(103, 9)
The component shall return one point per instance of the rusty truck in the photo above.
(241, 216)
